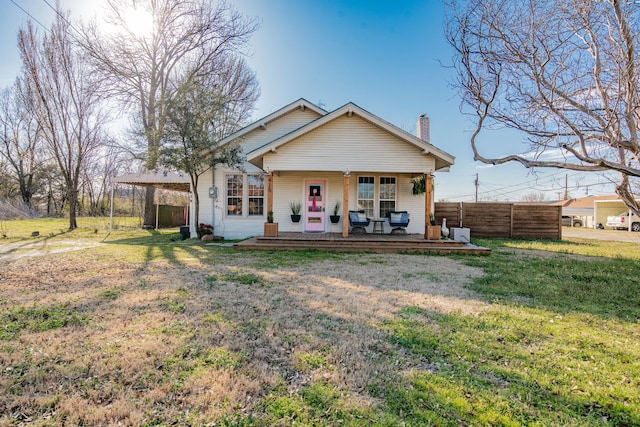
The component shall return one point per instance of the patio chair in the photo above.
(358, 221)
(398, 220)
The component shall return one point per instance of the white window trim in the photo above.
(395, 200)
(245, 196)
(376, 190)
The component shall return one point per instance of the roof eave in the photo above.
(264, 121)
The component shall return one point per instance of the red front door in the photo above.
(314, 206)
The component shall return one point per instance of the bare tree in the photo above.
(206, 110)
(20, 139)
(8, 187)
(65, 100)
(562, 73)
(96, 178)
(533, 197)
(144, 70)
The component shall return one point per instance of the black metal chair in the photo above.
(358, 221)
(398, 220)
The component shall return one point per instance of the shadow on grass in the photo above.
(502, 368)
(561, 281)
(166, 245)
(37, 242)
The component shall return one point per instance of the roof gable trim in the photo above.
(263, 123)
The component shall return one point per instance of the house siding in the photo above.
(275, 129)
(349, 143)
(213, 211)
(289, 187)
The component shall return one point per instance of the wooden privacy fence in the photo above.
(170, 216)
(503, 219)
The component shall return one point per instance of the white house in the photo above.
(302, 153)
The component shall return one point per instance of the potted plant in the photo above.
(295, 211)
(270, 227)
(433, 230)
(335, 218)
(203, 230)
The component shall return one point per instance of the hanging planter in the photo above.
(419, 185)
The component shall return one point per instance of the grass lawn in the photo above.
(139, 328)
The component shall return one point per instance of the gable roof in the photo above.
(442, 159)
(264, 122)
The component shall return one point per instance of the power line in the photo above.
(31, 16)
(506, 190)
(62, 16)
(527, 184)
(511, 188)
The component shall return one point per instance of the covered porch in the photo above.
(377, 243)
(351, 191)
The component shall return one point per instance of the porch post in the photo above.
(428, 201)
(270, 192)
(345, 204)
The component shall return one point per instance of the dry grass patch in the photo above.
(193, 336)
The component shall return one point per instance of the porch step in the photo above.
(382, 244)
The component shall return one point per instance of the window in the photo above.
(245, 190)
(377, 204)
(256, 195)
(234, 195)
(387, 195)
(366, 195)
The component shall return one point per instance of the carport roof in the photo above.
(583, 202)
(163, 180)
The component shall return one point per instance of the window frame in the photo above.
(395, 194)
(246, 195)
(377, 199)
(373, 199)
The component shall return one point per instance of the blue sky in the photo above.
(388, 57)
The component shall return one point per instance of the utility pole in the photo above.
(476, 183)
(566, 186)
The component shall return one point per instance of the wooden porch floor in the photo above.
(378, 243)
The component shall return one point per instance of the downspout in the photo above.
(214, 196)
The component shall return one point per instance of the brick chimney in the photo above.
(422, 128)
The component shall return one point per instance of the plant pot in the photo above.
(433, 232)
(296, 218)
(334, 219)
(271, 229)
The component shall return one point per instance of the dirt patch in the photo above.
(14, 251)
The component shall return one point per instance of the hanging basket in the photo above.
(419, 185)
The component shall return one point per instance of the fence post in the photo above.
(511, 220)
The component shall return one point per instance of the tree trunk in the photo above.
(73, 201)
(149, 212)
(196, 206)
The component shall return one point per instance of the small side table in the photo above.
(378, 226)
